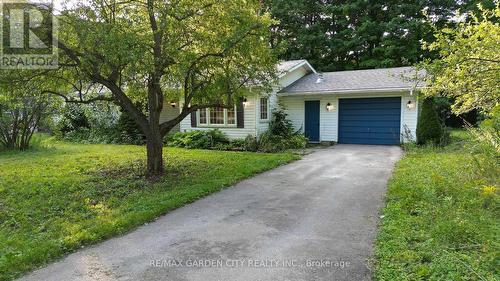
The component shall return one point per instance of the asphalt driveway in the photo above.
(314, 219)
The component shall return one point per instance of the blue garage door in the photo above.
(370, 121)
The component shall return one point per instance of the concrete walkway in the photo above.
(314, 219)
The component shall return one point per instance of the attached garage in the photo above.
(374, 106)
(370, 121)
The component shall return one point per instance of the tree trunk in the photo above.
(154, 145)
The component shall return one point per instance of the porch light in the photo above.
(329, 107)
(173, 104)
(245, 102)
(410, 105)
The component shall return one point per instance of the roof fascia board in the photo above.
(360, 91)
(299, 65)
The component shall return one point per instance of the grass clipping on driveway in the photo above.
(56, 200)
(441, 221)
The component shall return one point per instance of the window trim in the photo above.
(209, 125)
(260, 109)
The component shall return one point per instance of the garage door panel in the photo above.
(385, 117)
(389, 135)
(369, 124)
(372, 112)
(372, 142)
(370, 120)
(363, 106)
(372, 130)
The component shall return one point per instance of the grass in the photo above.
(441, 220)
(61, 198)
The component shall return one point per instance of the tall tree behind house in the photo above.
(360, 34)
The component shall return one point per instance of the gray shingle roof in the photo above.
(355, 80)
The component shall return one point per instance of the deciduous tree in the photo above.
(468, 68)
(203, 52)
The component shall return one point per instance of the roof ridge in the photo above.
(371, 69)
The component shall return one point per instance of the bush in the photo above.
(251, 143)
(212, 139)
(73, 118)
(279, 137)
(429, 129)
(100, 123)
(127, 130)
(486, 150)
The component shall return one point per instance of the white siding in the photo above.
(253, 124)
(409, 117)
(168, 114)
(232, 133)
(293, 76)
(294, 106)
(284, 81)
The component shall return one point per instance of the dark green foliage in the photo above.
(280, 125)
(127, 130)
(450, 119)
(73, 119)
(429, 129)
(101, 123)
(359, 34)
(212, 139)
(279, 137)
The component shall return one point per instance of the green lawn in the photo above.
(55, 200)
(442, 219)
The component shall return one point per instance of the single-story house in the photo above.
(377, 106)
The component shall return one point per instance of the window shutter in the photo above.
(240, 114)
(193, 120)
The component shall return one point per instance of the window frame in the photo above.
(210, 125)
(260, 109)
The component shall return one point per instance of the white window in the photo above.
(203, 117)
(264, 108)
(217, 117)
(231, 116)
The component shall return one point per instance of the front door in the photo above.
(312, 120)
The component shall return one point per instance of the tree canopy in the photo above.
(468, 68)
(339, 35)
(205, 53)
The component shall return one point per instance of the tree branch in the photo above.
(79, 101)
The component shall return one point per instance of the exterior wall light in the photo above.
(329, 107)
(410, 105)
(245, 102)
(173, 104)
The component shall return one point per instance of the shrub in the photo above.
(280, 125)
(127, 130)
(429, 129)
(486, 152)
(212, 139)
(102, 123)
(73, 118)
(251, 143)
(280, 136)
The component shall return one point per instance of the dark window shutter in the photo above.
(193, 120)
(240, 114)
